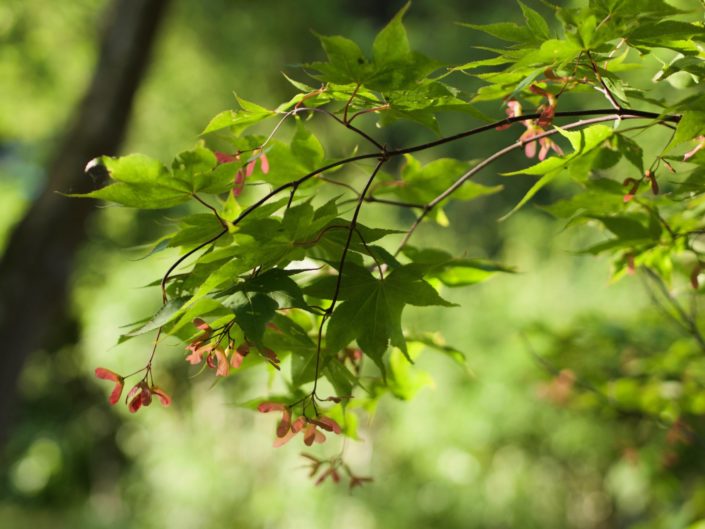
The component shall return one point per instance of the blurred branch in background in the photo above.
(37, 265)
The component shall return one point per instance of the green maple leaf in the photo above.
(371, 309)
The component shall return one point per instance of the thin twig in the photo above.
(215, 212)
(368, 111)
(349, 101)
(370, 253)
(398, 203)
(183, 258)
(348, 124)
(353, 224)
(341, 184)
(341, 268)
(606, 91)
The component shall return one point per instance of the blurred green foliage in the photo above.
(544, 429)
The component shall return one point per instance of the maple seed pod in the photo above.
(285, 424)
(162, 395)
(327, 424)
(298, 424)
(106, 374)
(222, 361)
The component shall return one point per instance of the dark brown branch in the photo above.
(626, 114)
(487, 161)
(623, 113)
(299, 181)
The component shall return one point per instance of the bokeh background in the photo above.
(509, 440)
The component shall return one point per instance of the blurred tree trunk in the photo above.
(36, 267)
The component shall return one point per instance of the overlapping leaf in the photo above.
(371, 308)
